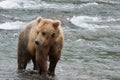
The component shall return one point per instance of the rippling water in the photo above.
(92, 37)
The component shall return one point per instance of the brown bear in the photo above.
(40, 40)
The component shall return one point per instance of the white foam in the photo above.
(87, 22)
(85, 18)
(89, 4)
(9, 4)
(15, 4)
(11, 25)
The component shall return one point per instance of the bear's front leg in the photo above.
(41, 62)
(54, 56)
(53, 63)
(34, 63)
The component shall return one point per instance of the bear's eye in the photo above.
(53, 35)
(43, 33)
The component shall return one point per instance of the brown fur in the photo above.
(48, 33)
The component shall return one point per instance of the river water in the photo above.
(92, 37)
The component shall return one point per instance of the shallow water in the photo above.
(92, 37)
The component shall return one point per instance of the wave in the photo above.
(31, 4)
(89, 22)
(11, 25)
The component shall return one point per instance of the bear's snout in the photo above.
(37, 42)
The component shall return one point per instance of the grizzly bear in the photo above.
(40, 40)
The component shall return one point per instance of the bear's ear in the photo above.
(56, 23)
(39, 19)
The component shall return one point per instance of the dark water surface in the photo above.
(92, 37)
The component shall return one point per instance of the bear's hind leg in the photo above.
(23, 59)
(22, 63)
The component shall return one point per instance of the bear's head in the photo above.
(47, 31)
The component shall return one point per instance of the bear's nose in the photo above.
(37, 42)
